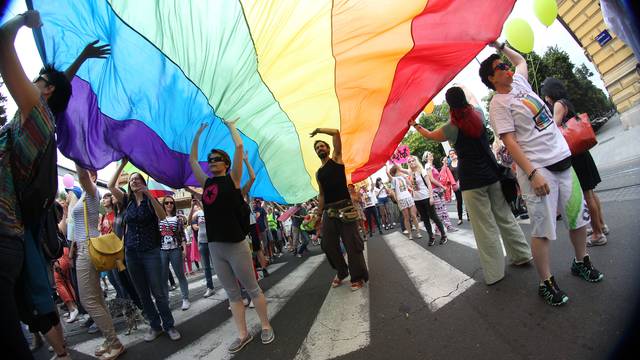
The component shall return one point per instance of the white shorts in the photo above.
(565, 197)
(405, 203)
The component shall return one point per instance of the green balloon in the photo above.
(546, 11)
(519, 35)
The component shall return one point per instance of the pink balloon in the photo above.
(67, 180)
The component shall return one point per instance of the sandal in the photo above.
(336, 282)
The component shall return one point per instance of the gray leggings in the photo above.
(232, 262)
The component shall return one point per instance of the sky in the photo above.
(544, 37)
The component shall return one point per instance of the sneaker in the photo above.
(443, 240)
(172, 288)
(605, 229)
(432, 241)
(585, 270)
(113, 353)
(419, 235)
(238, 344)
(174, 334)
(185, 305)
(410, 236)
(209, 292)
(601, 240)
(73, 316)
(93, 329)
(245, 302)
(152, 334)
(251, 306)
(551, 294)
(459, 222)
(523, 262)
(405, 232)
(267, 336)
(357, 285)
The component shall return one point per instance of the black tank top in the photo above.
(477, 165)
(333, 182)
(221, 205)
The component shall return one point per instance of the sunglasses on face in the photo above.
(168, 202)
(40, 77)
(502, 66)
(215, 159)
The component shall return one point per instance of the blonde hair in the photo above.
(418, 165)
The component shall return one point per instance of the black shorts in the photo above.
(256, 244)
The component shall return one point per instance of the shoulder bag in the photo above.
(107, 251)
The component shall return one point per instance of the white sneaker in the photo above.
(174, 334)
(419, 235)
(605, 229)
(209, 292)
(405, 232)
(245, 302)
(185, 305)
(73, 316)
(601, 240)
(251, 306)
(152, 335)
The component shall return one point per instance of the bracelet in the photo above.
(502, 46)
(532, 174)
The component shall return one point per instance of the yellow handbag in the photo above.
(107, 251)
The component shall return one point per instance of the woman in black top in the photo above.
(555, 94)
(226, 218)
(478, 174)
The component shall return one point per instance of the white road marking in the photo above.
(342, 325)
(436, 280)
(214, 344)
(197, 307)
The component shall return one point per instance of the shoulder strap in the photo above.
(86, 224)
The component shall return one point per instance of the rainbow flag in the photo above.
(283, 67)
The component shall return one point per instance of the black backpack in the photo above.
(37, 197)
(51, 240)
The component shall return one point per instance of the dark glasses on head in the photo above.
(216, 159)
(40, 77)
(502, 66)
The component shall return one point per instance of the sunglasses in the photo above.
(168, 202)
(40, 77)
(502, 66)
(215, 159)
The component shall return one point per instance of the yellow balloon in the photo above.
(519, 35)
(546, 11)
(429, 108)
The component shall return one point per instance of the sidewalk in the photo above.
(615, 144)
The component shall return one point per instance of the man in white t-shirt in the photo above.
(549, 185)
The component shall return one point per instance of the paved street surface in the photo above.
(424, 302)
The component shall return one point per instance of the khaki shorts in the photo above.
(565, 198)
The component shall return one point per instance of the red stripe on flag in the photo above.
(447, 35)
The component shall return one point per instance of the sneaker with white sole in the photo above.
(585, 270)
(238, 344)
(405, 232)
(605, 229)
(209, 292)
(251, 306)
(174, 334)
(601, 240)
(185, 305)
(152, 334)
(73, 316)
(267, 336)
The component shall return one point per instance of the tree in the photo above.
(3, 110)
(417, 144)
(555, 63)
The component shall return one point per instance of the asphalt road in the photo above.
(425, 302)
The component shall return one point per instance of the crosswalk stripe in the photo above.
(342, 325)
(436, 280)
(214, 344)
(179, 316)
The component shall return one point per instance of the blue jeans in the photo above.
(144, 268)
(305, 241)
(205, 256)
(175, 258)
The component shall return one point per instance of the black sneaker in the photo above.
(585, 270)
(443, 240)
(432, 241)
(551, 294)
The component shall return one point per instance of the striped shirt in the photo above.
(93, 217)
(170, 233)
(21, 148)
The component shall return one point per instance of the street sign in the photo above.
(603, 38)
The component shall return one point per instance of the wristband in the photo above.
(502, 46)
(532, 174)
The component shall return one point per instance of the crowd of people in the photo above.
(227, 232)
